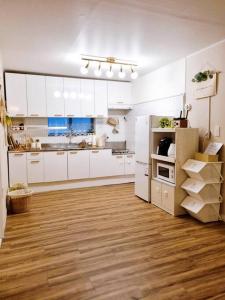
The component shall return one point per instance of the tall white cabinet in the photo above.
(72, 97)
(54, 94)
(16, 94)
(36, 96)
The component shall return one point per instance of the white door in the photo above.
(35, 170)
(72, 97)
(117, 166)
(17, 168)
(16, 94)
(78, 164)
(129, 164)
(54, 94)
(36, 96)
(142, 181)
(87, 98)
(119, 93)
(101, 99)
(55, 166)
(100, 161)
(142, 138)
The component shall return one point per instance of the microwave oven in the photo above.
(166, 172)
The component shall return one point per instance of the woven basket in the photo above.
(20, 201)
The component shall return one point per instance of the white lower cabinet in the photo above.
(78, 164)
(35, 170)
(117, 165)
(100, 163)
(55, 166)
(129, 164)
(17, 168)
(163, 195)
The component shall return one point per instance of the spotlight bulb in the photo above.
(134, 74)
(121, 74)
(109, 73)
(98, 72)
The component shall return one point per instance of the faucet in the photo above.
(70, 134)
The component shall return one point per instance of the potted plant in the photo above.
(20, 197)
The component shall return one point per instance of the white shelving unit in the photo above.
(203, 188)
(165, 195)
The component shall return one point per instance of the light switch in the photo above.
(217, 130)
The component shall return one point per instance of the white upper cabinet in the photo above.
(119, 95)
(55, 99)
(36, 96)
(16, 94)
(72, 97)
(87, 98)
(101, 99)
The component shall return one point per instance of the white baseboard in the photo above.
(75, 184)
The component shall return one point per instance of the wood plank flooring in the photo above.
(105, 243)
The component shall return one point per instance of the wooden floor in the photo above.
(105, 243)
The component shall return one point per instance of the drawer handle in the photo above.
(20, 115)
(34, 115)
(35, 153)
(73, 152)
(95, 151)
(129, 156)
(120, 102)
(119, 156)
(60, 153)
(19, 154)
(34, 161)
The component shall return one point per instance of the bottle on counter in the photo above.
(38, 144)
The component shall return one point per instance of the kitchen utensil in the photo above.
(172, 150)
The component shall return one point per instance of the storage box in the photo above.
(202, 191)
(210, 172)
(206, 157)
(204, 212)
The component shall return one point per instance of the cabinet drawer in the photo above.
(168, 195)
(35, 171)
(156, 192)
(34, 155)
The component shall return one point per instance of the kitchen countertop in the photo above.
(67, 147)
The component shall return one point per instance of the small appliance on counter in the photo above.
(164, 145)
(172, 150)
(166, 172)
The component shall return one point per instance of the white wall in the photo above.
(160, 92)
(165, 82)
(210, 58)
(3, 171)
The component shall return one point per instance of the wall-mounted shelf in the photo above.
(163, 158)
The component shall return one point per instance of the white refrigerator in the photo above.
(143, 136)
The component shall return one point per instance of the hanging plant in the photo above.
(203, 76)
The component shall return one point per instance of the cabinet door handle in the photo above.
(18, 154)
(60, 153)
(129, 156)
(34, 115)
(120, 102)
(100, 116)
(34, 161)
(57, 115)
(119, 156)
(88, 116)
(95, 151)
(70, 115)
(73, 152)
(35, 153)
(19, 115)
(146, 175)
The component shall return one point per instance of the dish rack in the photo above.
(203, 188)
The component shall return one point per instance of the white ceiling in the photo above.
(48, 35)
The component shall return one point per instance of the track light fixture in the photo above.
(98, 71)
(110, 61)
(84, 69)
